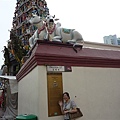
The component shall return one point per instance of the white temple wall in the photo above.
(29, 91)
(95, 91)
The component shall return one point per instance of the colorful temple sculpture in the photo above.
(22, 30)
(24, 8)
(17, 48)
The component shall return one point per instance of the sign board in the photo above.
(59, 68)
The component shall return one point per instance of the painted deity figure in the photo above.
(58, 33)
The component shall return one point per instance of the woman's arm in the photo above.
(70, 111)
(62, 110)
(73, 110)
(74, 107)
(61, 107)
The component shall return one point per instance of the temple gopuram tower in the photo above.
(23, 10)
(22, 30)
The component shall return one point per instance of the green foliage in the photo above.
(6, 56)
(17, 48)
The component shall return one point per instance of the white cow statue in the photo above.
(57, 33)
(40, 33)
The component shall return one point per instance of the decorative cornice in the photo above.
(59, 54)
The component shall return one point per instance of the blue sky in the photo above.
(94, 19)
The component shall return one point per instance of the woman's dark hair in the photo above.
(66, 94)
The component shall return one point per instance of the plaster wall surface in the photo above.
(32, 97)
(95, 90)
(28, 93)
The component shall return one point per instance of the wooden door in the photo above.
(55, 91)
